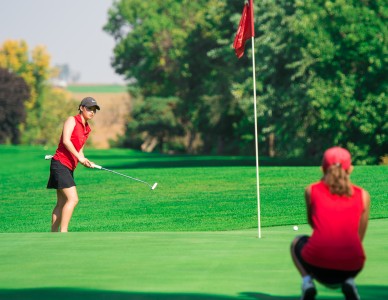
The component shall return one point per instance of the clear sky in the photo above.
(71, 30)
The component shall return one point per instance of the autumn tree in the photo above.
(13, 93)
(33, 67)
(46, 106)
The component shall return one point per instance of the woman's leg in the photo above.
(295, 259)
(67, 211)
(308, 288)
(57, 211)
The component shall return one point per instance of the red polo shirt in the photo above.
(78, 137)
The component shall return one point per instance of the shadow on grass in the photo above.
(366, 292)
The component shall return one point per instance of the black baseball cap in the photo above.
(89, 102)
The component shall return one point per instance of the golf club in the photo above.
(133, 178)
(47, 157)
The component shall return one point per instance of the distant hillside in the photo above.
(97, 88)
(115, 106)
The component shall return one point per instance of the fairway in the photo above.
(170, 265)
(194, 237)
(194, 193)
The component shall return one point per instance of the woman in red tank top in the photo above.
(69, 152)
(338, 213)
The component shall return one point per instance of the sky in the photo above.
(71, 30)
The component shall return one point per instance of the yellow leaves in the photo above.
(34, 69)
(14, 55)
(162, 61)
(41, 60)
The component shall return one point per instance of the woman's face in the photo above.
(88, 112)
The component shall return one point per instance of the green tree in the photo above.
(321, 72)
(154, 125)
(182, 49)
(55, 105)
(328, 71)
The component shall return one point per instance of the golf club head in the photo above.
(154, 186)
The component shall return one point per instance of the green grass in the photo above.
(170, 265)
(193, 238)
(194, 193)
(98, 88)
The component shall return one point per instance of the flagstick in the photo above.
(256, 139)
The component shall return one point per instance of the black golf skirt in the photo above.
(61, 177)
(328, 277)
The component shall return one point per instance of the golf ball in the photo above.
(296, 228)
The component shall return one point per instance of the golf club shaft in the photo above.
(133, 178)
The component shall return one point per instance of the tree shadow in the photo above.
(366, 292)
(183, 161)
(83, 294)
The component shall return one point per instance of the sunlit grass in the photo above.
(193, 193)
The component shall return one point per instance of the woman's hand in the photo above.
(85, 162)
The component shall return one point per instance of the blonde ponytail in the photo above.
(338, 181)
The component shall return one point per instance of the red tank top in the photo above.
(335, 242)
(78, 137)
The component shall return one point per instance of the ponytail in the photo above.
(338, 181)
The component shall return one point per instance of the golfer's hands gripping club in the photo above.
(94, 166)
(86, 162)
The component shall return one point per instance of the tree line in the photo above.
(31, 109)
(321, 76)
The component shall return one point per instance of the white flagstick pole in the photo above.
(256, 140)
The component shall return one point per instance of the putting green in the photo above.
(170, 265)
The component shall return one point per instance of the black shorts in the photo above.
(61, 177)
(328, 277)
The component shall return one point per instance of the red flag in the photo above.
(245, 29)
